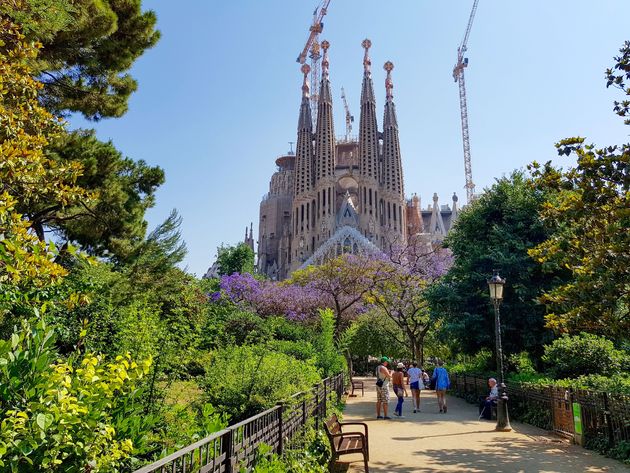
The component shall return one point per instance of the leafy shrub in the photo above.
(477, 364)
(583, 354)
(301, 350)
(307, 453)
(328, 359)
(65, 415)
(242, 381)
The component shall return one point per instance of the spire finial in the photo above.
(367, 63)
(325, 45)
(306, 90)
(389, 83)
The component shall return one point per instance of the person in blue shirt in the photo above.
(442, 383)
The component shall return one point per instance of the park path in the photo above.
(458, 442)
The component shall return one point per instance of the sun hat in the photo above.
(384, 358)
(400, 365)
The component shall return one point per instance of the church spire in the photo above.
(325, 133)
(304, 146)
(393, 178)
(368, 129)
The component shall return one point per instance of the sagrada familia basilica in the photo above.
(347, 195)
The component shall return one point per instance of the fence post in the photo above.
(304, 412)
(325, 396)
(227, 448)
(608, 418)
(465, 387)
(316, 387)
(280, 406)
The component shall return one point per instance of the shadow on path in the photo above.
(458, 442)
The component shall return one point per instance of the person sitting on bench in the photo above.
(486, 403)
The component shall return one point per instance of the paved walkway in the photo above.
(458, 441)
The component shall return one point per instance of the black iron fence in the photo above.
(233, 448)
(596, 416)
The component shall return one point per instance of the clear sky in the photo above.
(218, 96)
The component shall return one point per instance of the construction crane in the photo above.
(349, 117)
(458, 75)
(312, 45)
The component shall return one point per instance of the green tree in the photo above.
(495, 232)
(375, 334)
(112, 223)
(88, 47)
(588, 212)
(235, 259)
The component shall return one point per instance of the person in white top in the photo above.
(414, 376)
(486, 403)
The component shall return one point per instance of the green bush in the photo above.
(328, 359)
(242, 381)
(477, 364)
(76, 415)
(582, 355)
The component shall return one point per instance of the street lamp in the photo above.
(495, 285)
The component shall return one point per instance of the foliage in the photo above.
(64, 415)
(342, 284)
(307, 453)
(375, 334)
(235, 259)
(584, 354)
(28, 270)
(495, 232)
(88, 47)
(479, 363)
(401, 295)
(242, 381)
(112, 223)
(268, 298)
(327, 357)
(589, 212)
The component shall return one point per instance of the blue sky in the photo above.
(218, 96)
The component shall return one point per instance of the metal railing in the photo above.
(235, 447)
(604, 416)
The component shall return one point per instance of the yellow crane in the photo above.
(312, 45)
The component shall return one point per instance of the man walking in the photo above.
(414, 375)
(383, 375)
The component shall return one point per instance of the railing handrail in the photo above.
(183, 451)
(232, 429)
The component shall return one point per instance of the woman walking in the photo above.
(442, 383)
(398, 380)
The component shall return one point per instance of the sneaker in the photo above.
(445, 409)
(379, 417)
(414, 411)
(387, 418)
(441, 410)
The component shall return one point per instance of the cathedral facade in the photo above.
(336, 196)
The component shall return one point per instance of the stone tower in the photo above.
(369, 169)
(303, 202)
(394, 212)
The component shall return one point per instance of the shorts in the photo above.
(382, 393)
(415, 385)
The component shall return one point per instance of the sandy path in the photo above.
(458, 441)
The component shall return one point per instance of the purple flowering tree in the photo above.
(343, 284)
(268, 298)
(411, 271)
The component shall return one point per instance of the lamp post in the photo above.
(495, 285)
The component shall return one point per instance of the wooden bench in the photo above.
(356, 385)
(345, 442)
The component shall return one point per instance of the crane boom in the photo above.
(458, 76)
(349, 117)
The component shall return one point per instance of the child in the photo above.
(398, 380)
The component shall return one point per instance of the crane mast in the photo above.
(312, 50)
(349, 117)
(458, 76)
